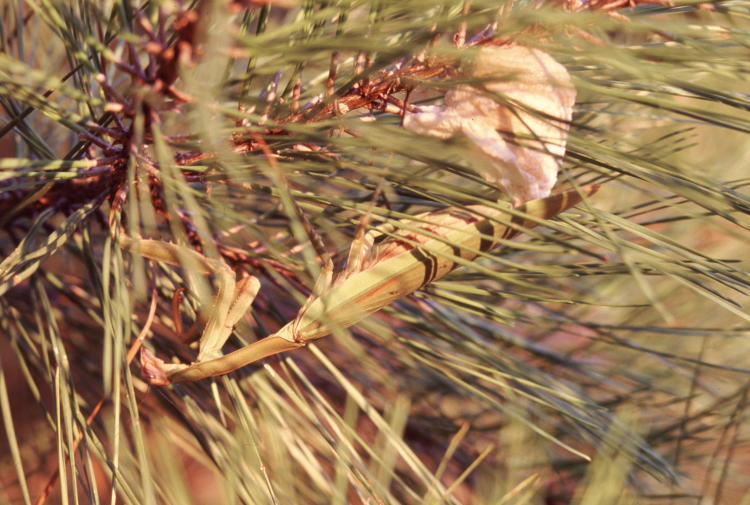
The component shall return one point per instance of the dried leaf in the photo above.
(517, 116)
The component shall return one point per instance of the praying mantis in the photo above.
(421, 250)
(518, 143)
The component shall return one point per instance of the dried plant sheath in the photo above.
(399, 266)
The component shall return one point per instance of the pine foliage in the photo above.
(599, 359)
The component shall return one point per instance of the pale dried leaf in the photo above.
(517, 116)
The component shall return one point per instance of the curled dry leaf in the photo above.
(517, 115)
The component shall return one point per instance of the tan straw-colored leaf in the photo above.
(517, 116)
